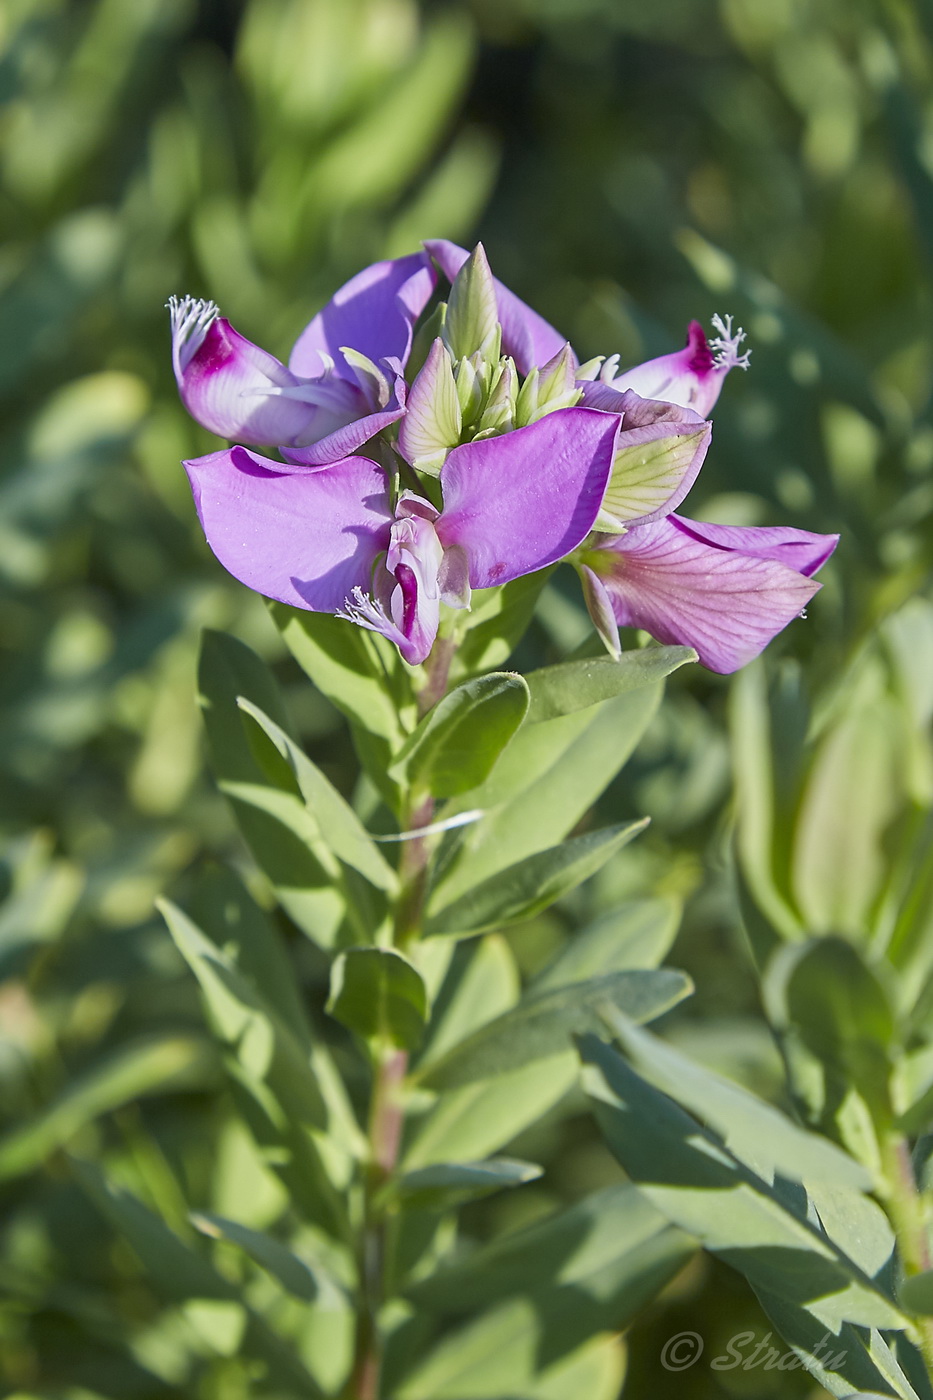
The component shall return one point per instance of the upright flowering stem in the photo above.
(387, 1104)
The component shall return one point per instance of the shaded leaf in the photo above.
(457, 743)
(377, 993)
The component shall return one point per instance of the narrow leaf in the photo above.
(377, 993)
(456, 745)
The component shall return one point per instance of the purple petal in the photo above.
(305, 538)
(526, 336)
(798, 549)
(228, 384)
(691, 377)
(725, 604)
(519, 502)
(344, 441)
(373, 313)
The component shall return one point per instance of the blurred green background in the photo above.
(629, 166)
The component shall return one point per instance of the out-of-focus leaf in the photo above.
(576, 685)
(448, 1184)
(377, 993)
(482, 982)
(293, 1273)
(481, 1118)
(916, 1293)
(458, 742)
(590, 1268)
(157, 1066)
(530, 885)
(638, 934)
(543, 1022)
(498, 617)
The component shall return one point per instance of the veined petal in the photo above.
(373, 313)
(798, 549)
(526, 336)
(230, 385)
(726, 604)
(304, 538)
(691, 377)
(519, 502)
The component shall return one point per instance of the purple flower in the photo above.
(724, 590)
(535, 458)
(343, 384)
(330, 540)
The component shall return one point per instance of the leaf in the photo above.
(916, 1293)
(272, 816)
(154, 1066)
(530, 885)
(638, 934)
(482, 981)
(457, 743)
(363, 678)
(589, 1268)
(754, 1131)
(495, 1358)
(449, 1184)
(292, 1273)
(576, 685)
(764, 1229)
(827, 994)
(337, 822)
(481, 1118)
(544, 783)
(496, 622)
(543, 1022)
(377, 993)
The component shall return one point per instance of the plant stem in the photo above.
(906, 1210)
(387, 1104)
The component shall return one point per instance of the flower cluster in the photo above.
(490, 452)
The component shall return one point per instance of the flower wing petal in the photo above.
(519, 502)
(526, 336)
(373, 313)
(304, 538)
(726, 604)
(798, 549)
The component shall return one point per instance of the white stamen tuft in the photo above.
(726, 345)
(191, 320)
(363, 609)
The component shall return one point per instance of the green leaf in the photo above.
(448, 1184)
(497, 620)
(529, 886)
(481, 1118)
(576, 685)
(337, 822)
(482, 982)
(764, 1229)
(457, 743)
(272, 816)
(363, 676)
(546, 780)
(590, 1268)
(638, 934)
(754, 1131)
(155, 1066)
(495, 1357)
(916, 1293)
(293, 1273)
(825, 992)
(377, 993)
(543, 1022)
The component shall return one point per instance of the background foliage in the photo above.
(628, 167)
